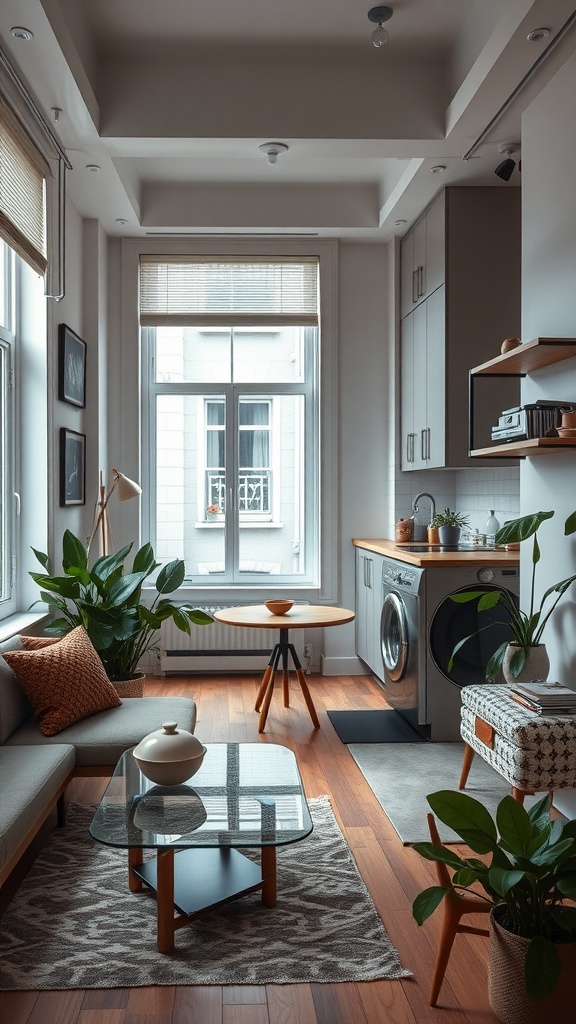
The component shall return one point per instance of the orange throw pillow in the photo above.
(64, 681)
(37, 643)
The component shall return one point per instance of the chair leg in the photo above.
(466, 765)
(450, 922)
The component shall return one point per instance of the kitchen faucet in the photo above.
(415, 507)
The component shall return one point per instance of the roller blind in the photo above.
(188, 290)
(23, 173)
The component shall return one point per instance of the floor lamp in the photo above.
(125, 489)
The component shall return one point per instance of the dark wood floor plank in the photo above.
(291, 1004)
(106, 999)
(237, 994)
(242, 1014)
(198, 1005)
(338, 1004)
(16, 1007)
(61, 1007)
(385, 1002)
(154, 1004)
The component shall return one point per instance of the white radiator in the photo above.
(220, 648)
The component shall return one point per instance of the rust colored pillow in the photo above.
(37, 643)
(64, 681)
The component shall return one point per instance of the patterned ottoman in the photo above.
(531, 752)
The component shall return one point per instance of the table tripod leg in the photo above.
(264, 684)
(304, 687)
(285, 683)
(269, 690)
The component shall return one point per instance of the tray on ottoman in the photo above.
(532, 752)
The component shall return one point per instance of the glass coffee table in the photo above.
(244, 795)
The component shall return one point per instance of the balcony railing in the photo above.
(254, 491)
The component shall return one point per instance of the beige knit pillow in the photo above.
(64, 681)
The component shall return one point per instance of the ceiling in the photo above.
(171, 101)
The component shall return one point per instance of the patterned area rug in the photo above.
(75, 924)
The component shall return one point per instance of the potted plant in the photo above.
(212, 512)
(524, 657)
(528, 874)
(449, 524)
(107, 600)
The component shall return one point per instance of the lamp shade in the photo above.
(125, 487)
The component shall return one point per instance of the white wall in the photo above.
(549, 309)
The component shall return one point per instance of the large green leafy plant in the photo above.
(527, 627)
(107, 600)
(529, 873)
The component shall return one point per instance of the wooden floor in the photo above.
(393, 873)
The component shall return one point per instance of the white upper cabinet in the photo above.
(460, 297)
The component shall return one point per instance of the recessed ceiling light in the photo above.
(25, 34)
(437, 169)
(398, 223)
(272, 150)
(537, 34)
(93, 168)
(120, 220)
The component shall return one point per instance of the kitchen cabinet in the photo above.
(368, 609)
(527, 358)
(422, 265)
(476, 234)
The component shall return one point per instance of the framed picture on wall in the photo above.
(71, 367)
(72, 467)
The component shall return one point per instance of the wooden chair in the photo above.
(455, 907)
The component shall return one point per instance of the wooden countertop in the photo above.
(436, 559)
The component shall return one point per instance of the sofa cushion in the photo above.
(15, 708)
(103, 738)
(64, 682)
(38, 643)
(31, 778)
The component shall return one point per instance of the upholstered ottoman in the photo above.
(531, 752)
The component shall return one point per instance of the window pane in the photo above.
(190, 479)
(271, 491)
(190, 354)
(269, 354)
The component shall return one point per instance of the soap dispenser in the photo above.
(492, 527)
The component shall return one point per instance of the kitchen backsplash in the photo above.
(473, 492)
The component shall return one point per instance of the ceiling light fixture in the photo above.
(378, 15)
(438, 169)
(273, 150)
(506, 167)
(93, 168)
(537, 35)
(24, 34)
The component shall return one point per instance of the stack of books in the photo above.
(545, 697)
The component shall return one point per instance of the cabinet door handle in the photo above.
(364, 561)
(423, 444)
(409, 447)
(369, 567)
(412, 444)
(427, 442)
(415, 285)
(420, 281)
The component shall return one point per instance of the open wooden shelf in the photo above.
(534, 446)
(533, 355)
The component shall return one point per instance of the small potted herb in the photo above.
(449, 525)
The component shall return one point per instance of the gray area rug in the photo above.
(75, 924)
(401, 776)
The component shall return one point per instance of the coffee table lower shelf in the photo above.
(195, 881)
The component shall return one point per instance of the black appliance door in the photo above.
(452, 622)
(394, 637)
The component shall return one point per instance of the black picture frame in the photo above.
(71, 367)
(72, 467)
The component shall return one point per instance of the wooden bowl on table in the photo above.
(278, 607)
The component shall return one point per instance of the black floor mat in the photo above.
(373, 727)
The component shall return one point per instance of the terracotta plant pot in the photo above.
(536, 666)
(506, 990)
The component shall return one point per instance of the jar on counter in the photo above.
(403, 531)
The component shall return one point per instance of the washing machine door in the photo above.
(452, 622)
(394, 637)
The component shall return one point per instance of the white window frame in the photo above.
(129, 403)
(9, 591)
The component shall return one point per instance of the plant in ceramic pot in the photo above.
(524, 657)
(529, 877)
(107, 600)
(449, 524)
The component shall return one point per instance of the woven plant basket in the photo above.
(506, 990)
(130, 687)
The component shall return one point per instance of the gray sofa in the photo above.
(35, 769)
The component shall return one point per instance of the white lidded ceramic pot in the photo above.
(169, 756)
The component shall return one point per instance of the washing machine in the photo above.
(419, 629)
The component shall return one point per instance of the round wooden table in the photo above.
(300, 616)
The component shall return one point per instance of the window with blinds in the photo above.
(23, 174)
(178, 290)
